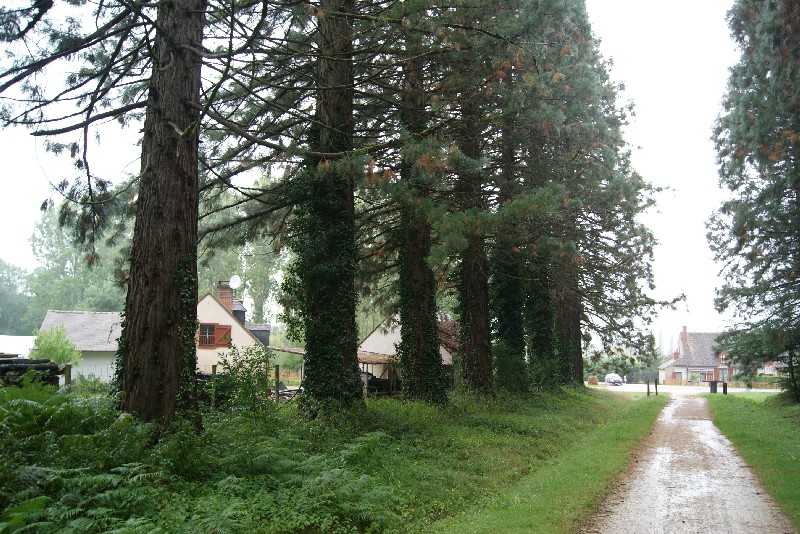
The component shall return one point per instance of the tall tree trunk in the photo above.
(328, 256)
(540, 325)
(507, 289)
(473, 281)
(157, 347)
(568, 314)
(423, 374)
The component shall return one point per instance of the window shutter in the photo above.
(222, 335)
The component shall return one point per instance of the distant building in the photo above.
(696, 360)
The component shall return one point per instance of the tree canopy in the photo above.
(404, 153)
(755, 234)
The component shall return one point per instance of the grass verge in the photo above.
(536, 463)
(767, 435)
(558, 497)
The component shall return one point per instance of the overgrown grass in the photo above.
(71, 464)
(767, 435)
(559, 496)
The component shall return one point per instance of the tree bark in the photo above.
(423, 374)
(507, 289)
(473, 283)
(331, 336)
(157, 348)
(568, 316)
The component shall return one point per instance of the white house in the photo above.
(378, 357)
(95, 334)
(220, 320)
(219, 328)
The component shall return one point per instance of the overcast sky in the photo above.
(673, 58)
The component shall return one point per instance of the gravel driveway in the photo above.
(687, 477)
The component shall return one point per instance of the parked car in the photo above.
(613, 379)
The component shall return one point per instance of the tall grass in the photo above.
(767, 435)
(559, 496)
(72, 464)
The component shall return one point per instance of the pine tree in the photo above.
(755, 234)
(418, 350)
(325, 270)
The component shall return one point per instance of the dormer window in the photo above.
(723, 358)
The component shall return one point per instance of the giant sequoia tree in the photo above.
(157, 348)
(118, 43)
(756, 234)
(399, 146)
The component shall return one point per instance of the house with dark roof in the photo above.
(221, 324)
(696, 360)
(377, 356)
(95, 334)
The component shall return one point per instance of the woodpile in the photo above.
(12, 370)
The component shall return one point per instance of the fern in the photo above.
(17, 517)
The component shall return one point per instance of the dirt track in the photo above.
(686, 477)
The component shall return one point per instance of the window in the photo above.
(214, 335)
(678, 375)
(706, 376)
(206, 335)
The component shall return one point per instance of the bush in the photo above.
(245, 380)
(55, 346)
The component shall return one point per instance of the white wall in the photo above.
(210, 310)
(99, 364)
(383, 342)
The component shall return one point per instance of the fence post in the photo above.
(67, 374)
(647, 382)
(724, 388)
(655, 383)
(214, 387)
(277, 381)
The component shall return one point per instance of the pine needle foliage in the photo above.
(754, 234)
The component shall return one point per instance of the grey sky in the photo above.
(673, 58)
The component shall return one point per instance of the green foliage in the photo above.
(245, 379)
(395, 467)
(767, 435)
(620, 361)
(14, 301)
(186, 285)
(754, 235)
(54, 345)
(64, 280)
(319, 290)
(89, 386)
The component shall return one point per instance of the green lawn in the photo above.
(767, 435)
(559, 496)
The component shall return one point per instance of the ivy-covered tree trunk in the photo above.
(507, 288)
(473, 279)
(326, 248)
(157, 347)
(568, 319)
(423, 374)
(540, 325)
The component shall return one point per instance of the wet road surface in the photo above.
(686, 477)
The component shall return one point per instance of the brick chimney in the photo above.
(224, 294)
(685, 336)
